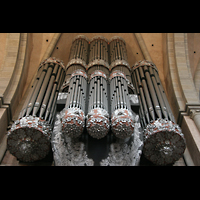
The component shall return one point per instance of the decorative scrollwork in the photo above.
(67, 151)
(126, 153)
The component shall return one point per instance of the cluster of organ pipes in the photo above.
(98, 123)
(29, 136)
(164, 141)
(98, 117)
(98, 81)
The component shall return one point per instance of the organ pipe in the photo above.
(77, 59)
(73, 120)
(98, 117)
(98, 123)
(98, 55)
(122, 119)
(29, 137)
(164, 141)
(119, 58)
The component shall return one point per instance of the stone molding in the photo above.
(13, 75)
(143, 47)
(194, 113)
(13, 71)
(51, 46)
(183, 68)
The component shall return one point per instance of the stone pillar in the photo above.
(195, 115)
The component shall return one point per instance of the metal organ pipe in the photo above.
(118, 57)
(77, 59)
(98, 123)
(73, 120)
(164, 142)
(98, 117)
(29, 137)
(122, 119)
(98, 55)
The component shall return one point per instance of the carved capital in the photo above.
(193, 113)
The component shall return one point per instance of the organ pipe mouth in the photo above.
(29, 139)
(164, 143)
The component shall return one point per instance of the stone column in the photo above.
(195, 115)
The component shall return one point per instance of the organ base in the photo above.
(86, 150)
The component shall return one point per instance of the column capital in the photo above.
(193, 113)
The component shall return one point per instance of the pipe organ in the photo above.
(98, 83)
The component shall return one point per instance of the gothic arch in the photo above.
(184, 97)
